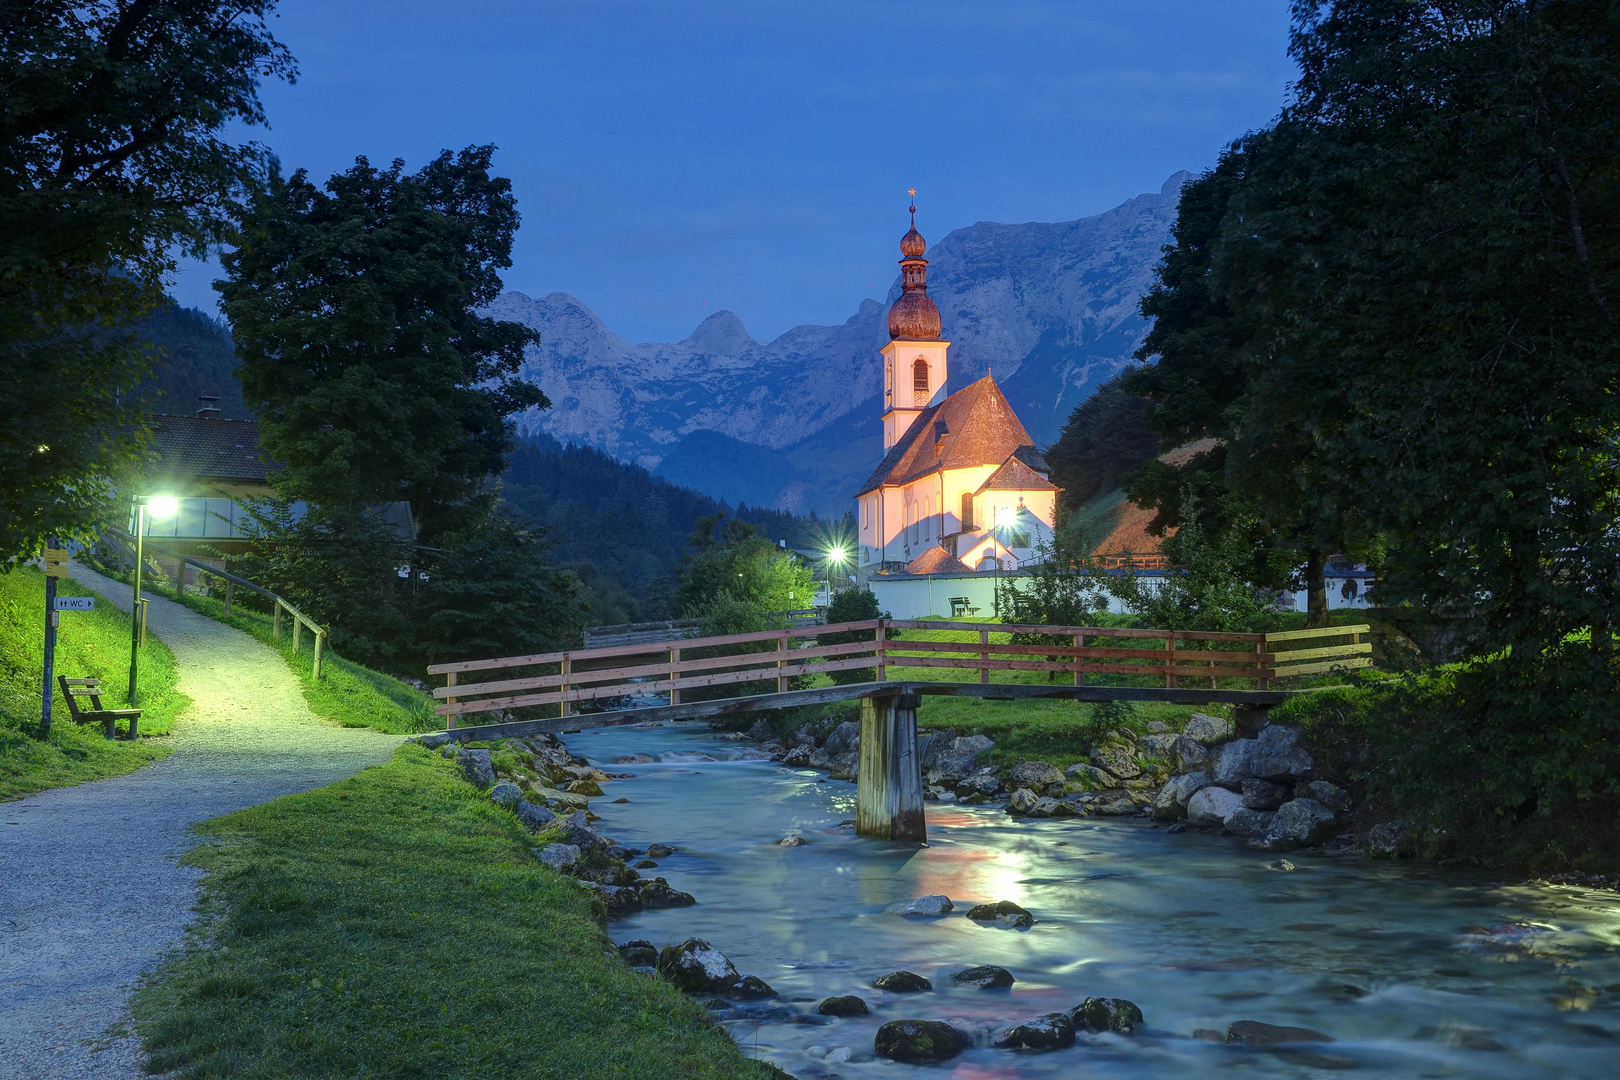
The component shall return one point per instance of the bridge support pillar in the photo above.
(888, 786)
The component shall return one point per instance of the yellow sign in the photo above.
(56, 562)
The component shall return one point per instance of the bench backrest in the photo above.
(75, 688)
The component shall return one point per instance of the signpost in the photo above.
(55, 567)
(75, 603)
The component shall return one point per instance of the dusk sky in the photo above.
(673, 159)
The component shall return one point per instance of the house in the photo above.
(960, 475)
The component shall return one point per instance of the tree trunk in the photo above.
(1316, 604)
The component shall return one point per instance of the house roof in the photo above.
(202, 447)
(936, 560)
(979, 428)
(1014, 475)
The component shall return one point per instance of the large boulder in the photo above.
(1054, 1031)
(1171, 801)
(1255, 1033)
(559, 856)
(901, 982)
(1248, 822)
(798, 757)
(576, 830)
(1231, 763)
(1188, 754)
(659, 893)
(1278, 757)
(1261, 794)
(639, 953)
(1022, 801)
(1388, 840)
(505, 793)
(918, 1041)
(1334, 798)
(844, 739)
(1001, 913)
(954, 759)
(749, 988)
(1301, 821)
(534, 816)
(1157, 746)
(1035, 775)
(1107, 1014)
(847, 1005)
(697, 967)
(981, 785)
(476, 767)
(984, 977)
(1207, 729)
(1116, 762)
(1045, 807)
(618, 899)
(1212, 806)
(844, 766)
(1092, 776)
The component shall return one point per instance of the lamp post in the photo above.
(162, 506)
(999, 517)
(836, 557)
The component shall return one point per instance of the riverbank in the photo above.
(90, 644)
(400, 923)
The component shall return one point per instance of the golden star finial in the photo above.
(912, 192)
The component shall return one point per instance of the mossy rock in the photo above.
(918, 1041)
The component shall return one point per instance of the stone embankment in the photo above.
(1263, 788)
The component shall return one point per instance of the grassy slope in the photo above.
(396, 924)
(89, 643)
(346, 693)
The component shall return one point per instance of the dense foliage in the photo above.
(1104, 439)
(193, 357)
(734, 577)
(853, 605)
(112, 162)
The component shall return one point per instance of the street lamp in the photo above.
(999, 519)
(836, 557)
(161, 506)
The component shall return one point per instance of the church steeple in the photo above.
(914, 358)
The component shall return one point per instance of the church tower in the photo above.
(914, 358)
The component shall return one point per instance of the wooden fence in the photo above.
(566, 679)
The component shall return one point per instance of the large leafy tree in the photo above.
(112, 161)
(357, 315)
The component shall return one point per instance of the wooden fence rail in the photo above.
(640, 671)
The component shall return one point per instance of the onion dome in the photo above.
(914, 316)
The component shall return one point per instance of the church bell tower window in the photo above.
(919, 382)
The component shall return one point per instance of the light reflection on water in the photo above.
(1390, 959)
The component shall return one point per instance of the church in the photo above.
(961, 486)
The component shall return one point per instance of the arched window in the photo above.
(967, 510)
(919, 381)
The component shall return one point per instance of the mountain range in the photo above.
(1049, 308)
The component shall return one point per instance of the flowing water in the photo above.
(1415, 971)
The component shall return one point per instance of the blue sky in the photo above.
(672, 159)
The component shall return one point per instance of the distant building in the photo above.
(961, 486)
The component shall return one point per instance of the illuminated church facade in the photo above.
(961, 486)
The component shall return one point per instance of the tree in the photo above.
(111, 163)
(356, 314)
(853, 605)
(729, 563)
(1103, 440)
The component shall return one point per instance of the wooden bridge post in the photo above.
(674, 692)
(984, 672)
(781, 647)
(888, 786)
(562, 687)
(1079, 661)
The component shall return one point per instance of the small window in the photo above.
(967, 510)
(919, 382)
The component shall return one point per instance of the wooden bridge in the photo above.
(741, 673)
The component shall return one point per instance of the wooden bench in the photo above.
(91, 688)
(961, 605)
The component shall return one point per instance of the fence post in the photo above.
(1170, 659)
(1261, 647)
(275, 621)
(298, 629)
(882, 641)
(1079, 661)
(450, 718)
(781, 647)
(562, 687)
(674, 692)
(984, 672)
(229, 587)
(320, 639)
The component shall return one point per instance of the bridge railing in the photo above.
(950, 651)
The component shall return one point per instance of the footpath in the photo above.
(91, 894)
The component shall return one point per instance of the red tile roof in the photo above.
(212, 449)
(936, 560)
(979, 428)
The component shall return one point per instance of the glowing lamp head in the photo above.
(836, 554)
(1005, 515)
(160, 507)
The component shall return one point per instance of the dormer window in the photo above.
(919, 382)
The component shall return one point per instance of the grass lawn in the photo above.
(88, 644)
(397, 924)
(347, 693)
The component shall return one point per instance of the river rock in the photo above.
(697, 967)
(848, 1005)
(845, 738)
(658, 893)
(576, 830)
(999, 911)
(1212, 806)
(1301, 821)
(749, 988)
(1206, 729)
(1245, 821)
(639, 953)
(844, 766)
(1021, 802)
(981, 784)
(1261, 794)
(791, 840)
(1116, 762)
(584, 787)
(803, 735)
(1095, 777)
(1156, 746)
(634, 759)
(1278, 758)
(1171, 801)
(1230, 763)
(1054, 1031)
(659, 851)
(937, 904)
(1334, 798)
(901, 982)
(1037, 776)
(798, 757)
(1129, 803)
(534, 816)
(619, 899)
(1107, 1014)
(984, 977)
(918, 1041)
(1045, 807)
(476, 767)
(505, 793)
(1387, 841)
(820, 759)
(560, 856)
(1188, 754)
(1254, 1033)
(953, 759)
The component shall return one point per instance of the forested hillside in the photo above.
(195, 358)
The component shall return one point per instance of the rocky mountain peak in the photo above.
(721, 334)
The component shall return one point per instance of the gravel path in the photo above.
(90, 893)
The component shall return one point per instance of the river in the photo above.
(1414, 970)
